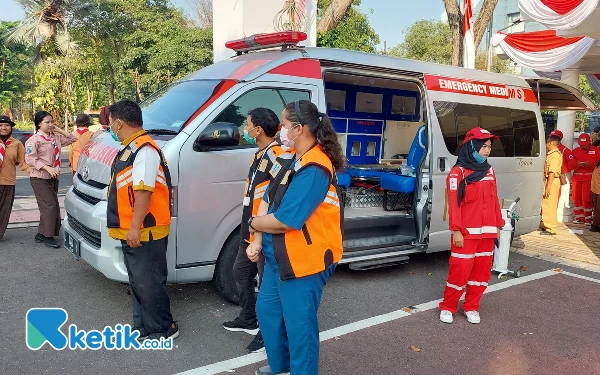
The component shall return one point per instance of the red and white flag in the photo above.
(543, 50)
(469, 38)
(558, 14)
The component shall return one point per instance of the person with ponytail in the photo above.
(475, 222)
(12, 152)
(42, 153)
(298, 235)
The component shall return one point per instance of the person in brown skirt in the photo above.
(42, 153)
(12, 152)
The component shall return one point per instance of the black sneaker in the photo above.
(39, 238)
(171, 333)
(143, 334)
(237, 325)
(257, 345)
(594, 228)
(51, 242)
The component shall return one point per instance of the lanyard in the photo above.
(258, 164)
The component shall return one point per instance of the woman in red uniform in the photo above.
(475, 222)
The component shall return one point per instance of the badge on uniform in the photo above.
(29, 149)
(246, 201)
(126, 155)
(284, 180)
(275, 169)
(263, 165)
(453, 183)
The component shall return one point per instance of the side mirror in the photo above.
(218, 136)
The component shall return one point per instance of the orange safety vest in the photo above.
(318, 244)
(256, 184)
(121, 195)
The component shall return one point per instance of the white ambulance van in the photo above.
(400, 123)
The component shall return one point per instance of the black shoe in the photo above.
(143, 333)
(594, 228)
(51, 242)
(257, 344)
(171, 333)
(39, 238)
(237, 325)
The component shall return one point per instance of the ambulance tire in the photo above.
(223, 276)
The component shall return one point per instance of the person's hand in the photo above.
(458, 238)
(53, 171)
(546, 193)
(133, 237)
(253, 250)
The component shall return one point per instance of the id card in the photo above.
(246, 201)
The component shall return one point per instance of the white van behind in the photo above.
(388, 112)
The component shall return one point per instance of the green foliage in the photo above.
(426, 40)
(121, 50)
(354, 31)
(14, 69)
(585, 87)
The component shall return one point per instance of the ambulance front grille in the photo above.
(93, 237)
(87, 198)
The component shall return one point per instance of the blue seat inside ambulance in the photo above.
(406, 184)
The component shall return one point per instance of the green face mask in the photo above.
(249, 139)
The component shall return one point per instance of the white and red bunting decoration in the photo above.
(558, 14)
(594, 80)
(543, 50)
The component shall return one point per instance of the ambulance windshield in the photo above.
(170, 107)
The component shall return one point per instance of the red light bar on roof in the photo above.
(264, 41)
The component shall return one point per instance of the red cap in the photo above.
(557, 133)
(584, 139)
(479, 133)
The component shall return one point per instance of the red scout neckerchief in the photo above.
(56, 150)
(3, 147)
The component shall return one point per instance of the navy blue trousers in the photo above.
(287, 316)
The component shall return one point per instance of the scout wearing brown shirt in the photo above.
(42, 153)
(12, 152)
(83, 135)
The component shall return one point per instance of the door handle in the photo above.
(442, 164)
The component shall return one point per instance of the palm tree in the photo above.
(47, 21)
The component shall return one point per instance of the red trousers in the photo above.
(582, 198)
(470, 270)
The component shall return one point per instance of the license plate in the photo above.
(72, 245)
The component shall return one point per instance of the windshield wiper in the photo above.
(161, 131)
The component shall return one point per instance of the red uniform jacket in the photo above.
(479, 214)
(580, 155)
(567, 158)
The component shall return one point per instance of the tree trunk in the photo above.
(90, 93)
(333, 15)
(455, 21)
(483, 20)
(3, 67)
(137, 87)
(111, 85)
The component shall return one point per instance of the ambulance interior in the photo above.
(379, 124)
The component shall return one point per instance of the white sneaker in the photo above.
(473, 317)
(446, 316)
(577, 221)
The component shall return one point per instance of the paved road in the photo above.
(36, 276)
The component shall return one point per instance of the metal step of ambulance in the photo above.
(367, 243)
(379, 263)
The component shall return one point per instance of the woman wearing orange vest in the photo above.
(475, 222)
(83, 135)
(301, 239)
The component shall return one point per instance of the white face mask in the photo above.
(283, 135)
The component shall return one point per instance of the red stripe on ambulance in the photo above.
(478, 88)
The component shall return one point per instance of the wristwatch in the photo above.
(250, 224)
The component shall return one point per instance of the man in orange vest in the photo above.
(138, 214)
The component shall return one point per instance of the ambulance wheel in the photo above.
(223, 277)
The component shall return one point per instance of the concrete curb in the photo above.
(541, 254)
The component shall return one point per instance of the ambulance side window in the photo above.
(273, 98)
(517, 130)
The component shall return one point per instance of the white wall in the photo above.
(236, 19)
